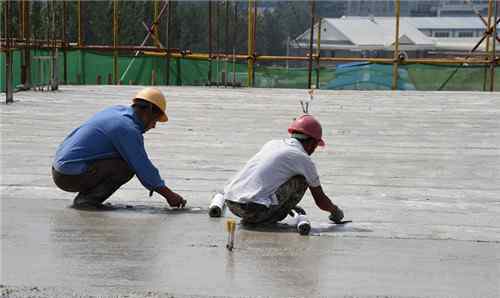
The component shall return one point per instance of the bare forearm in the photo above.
(322, 200)
(173, 199)
(327, 205)
(165, 191)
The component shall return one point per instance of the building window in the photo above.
(466, 34)
(442, 34)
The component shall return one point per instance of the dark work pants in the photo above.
(289, 195)
(98, 183)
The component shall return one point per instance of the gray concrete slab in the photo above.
(417, 172)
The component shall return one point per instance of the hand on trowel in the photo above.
(337, 217)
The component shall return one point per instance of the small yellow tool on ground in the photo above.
(231, 228)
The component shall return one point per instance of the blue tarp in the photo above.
(368, 76)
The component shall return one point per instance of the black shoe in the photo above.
(93, 206)
(299, 210)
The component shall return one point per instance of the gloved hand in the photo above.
(337, 215)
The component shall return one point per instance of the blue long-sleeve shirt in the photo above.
(112, 133)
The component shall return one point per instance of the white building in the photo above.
(375, 35)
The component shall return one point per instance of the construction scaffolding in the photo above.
(43, 62)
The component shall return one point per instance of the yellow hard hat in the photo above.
(156, 97)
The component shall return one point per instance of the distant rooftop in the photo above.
(415, 33)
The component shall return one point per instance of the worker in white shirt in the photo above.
(274, 180)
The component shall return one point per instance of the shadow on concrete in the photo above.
(149, 209)
(317, 228)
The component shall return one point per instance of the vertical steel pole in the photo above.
(318, 53)
(156, 12)
(20, 27)
(167, 32)
(235, 30)
(485, 77)
(9, 94)
(311, 37)
(396, 49)
(116, 74)
(254, 42)
(79, 22)
(226, 43)
(494, 50)
(173, 28)
(26, 32)
(250, 53)
(54, 81)
(65, 40)
(209, 42)
(217, 42)
(156, 34)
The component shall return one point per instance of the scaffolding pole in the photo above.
(226, 42)
(488, 25)
(318, 53)
(209, 78)
(79, 22)
(251, 40)
(396, 50)
(65, 41)
(235, 26)
(167, 32)
(9, 94)
(25, 36)
(311, 37)
(54, 80)
(116, 74)
(494, 53)
(156, 37)
(217, 41)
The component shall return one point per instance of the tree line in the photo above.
(188, 30)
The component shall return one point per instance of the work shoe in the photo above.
(215, 211)
(88, 206)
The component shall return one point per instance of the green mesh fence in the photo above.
(88, 67)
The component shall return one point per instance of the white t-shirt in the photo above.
(266, 171)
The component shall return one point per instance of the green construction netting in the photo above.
(88, 67)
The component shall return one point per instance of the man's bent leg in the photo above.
(250, 213)
(103, 178)
(289, 195)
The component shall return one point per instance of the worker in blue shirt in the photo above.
(106, 151)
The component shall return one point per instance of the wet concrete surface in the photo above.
(183, 253)
(417, 172)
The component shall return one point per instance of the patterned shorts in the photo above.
(289, 195)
